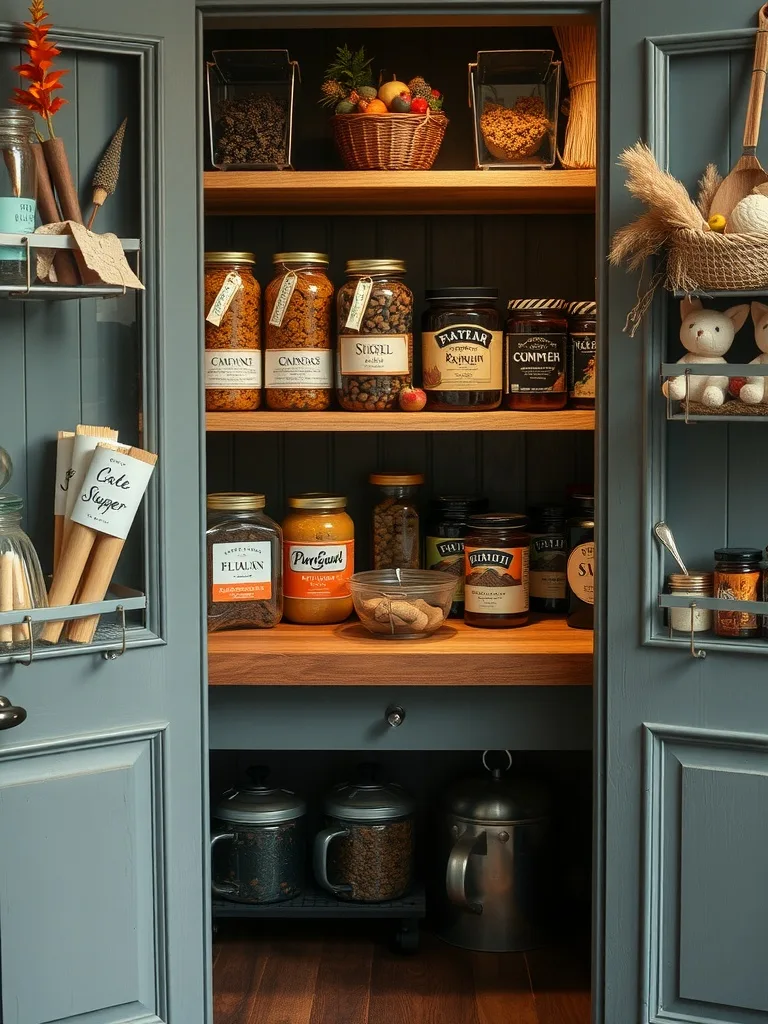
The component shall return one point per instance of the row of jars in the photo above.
(545, 360)
(739, 574)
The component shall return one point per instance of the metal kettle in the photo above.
(495, 850)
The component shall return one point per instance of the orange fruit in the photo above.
(376, 107)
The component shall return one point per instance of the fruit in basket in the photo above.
(435, 101)
(333, 92)
(735, 384)
(420, 87)
(345, 107)
(412, 400)
(367, 92)
(376, 107)
(419, 105)
(401, 104)
(717, 223)
(389, 90)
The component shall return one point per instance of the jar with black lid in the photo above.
(738, 575)
(549, 559)
(582, 353)
(461, 345)
(535, 348)
(581, 562)
(444, 541)
(496, 552)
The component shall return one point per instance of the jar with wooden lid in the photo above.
(298, 352)
(375, 325)
(318, 559)
(582, 354)
(535, 348)
(496, 554)
(693, 585)
(232, 333)
(396, 520)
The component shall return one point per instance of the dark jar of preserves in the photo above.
(581, 562)
(582, 354)
(444, 541)
(535, 346)
(461, 345)
(738, 574)
(549, 559)
(496, 552)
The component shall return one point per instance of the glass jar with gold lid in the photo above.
(318, 559)
(232, 333)
(298, 352)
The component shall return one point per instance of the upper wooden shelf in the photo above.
(370, 422)
(545, 653)
(355, 192)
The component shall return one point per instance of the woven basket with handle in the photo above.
(709, 261)
(388, 142)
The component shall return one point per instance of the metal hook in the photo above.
(114, 655)
(19, 661)
(485, 763)
(694, 652)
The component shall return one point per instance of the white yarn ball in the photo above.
(750, 216)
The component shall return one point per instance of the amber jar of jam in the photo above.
(461, 345)
(535, 349)
(318, 559)
(496, 553)
(582, 353)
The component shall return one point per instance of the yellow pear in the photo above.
(389, 90)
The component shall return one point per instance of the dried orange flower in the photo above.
(38, 95)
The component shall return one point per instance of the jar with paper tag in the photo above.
(298, 353)
(375, 322)
(232, 333)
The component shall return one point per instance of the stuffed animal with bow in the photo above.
(753, 391)
(707, 334)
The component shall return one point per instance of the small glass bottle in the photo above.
(693, 585)
(582, 354)
(581, 563)
(496, 553)
(396, 520)
(535, 348)
(18, 192)
(549, 559)
(444, 541)
(245, 565)
(232, 333)
(318, 559)
(738, 575)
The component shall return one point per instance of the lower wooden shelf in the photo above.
(545, 653)
(333, 420)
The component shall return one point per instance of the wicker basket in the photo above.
(388, 142)
(709, 261)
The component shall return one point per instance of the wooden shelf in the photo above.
(404, 192)
(568, 419)
(545, 653)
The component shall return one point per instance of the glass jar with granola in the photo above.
(232, 333)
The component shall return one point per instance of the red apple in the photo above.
(735, 384)
(412, 400)
(419, 105)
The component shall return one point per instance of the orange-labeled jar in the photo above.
(496, 553)
(318, 559)
(535, 355)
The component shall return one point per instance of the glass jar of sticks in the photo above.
(21, 579)
(18, 188)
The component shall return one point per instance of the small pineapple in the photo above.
(367, 92)
(333, 92)
(420, 87)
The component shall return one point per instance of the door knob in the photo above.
(395, 715)
(10, 715)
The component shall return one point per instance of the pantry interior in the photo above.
(311, 702)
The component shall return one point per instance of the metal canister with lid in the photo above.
(693, 585)
(535, 347)
(258, 842)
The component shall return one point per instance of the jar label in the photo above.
(284, 296)
(462, 357)
(496, 580)
(111, 491)
(736, 586)
(581, 571)
(230, 286)
(359, 303)
(535, 363)
(582, 367)
(298, 368)
(232, 368)
(17, 217)
(374, 354)
(548, 566)
(242, 571)
(319, 571)
(446, 554)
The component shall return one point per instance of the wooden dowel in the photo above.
(6, 593)
(48, 208)
(106, 554)
(61, 175)
(21, 599)
(66, 581)
(58, 537)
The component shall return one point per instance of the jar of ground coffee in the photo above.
(582, 353)
(496, 553)
(232, 333)
(462, 349)
(535, 348)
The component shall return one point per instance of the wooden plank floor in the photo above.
(324, 973)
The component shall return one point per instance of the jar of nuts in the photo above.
(396, 520)
(298, 360)
(232, 333)
(375, 323)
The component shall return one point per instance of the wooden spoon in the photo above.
(748, 174)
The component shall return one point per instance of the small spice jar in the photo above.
(582, 354)
(693, 585)
(298, 353)
(245, 567)
(444, 541)
(496, 554)
(375, 324)
(232, 333)
(581, 562)
(549, 559)
(535, 348)
(396, 520)
(462, 344)
(738, 577)
(318, 559)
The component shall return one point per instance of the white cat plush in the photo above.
(753, 391)
(707, 334)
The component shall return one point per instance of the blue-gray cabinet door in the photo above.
(684, 788)
(102, 894)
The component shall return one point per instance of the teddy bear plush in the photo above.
(707, 334)
(753, 392)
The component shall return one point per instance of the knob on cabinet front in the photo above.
(10, 715)
(395, 715)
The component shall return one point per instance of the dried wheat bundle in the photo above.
(578, 44)
(710, 182)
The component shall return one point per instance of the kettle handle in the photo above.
(323, 842)
(456, 871)
(226, 889)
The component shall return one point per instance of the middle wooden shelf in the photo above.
(358, 422)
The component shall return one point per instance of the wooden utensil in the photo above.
(748, 173)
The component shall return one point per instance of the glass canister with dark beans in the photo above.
(549, 559)
(582, 354)
(444, 540)
(535, 355)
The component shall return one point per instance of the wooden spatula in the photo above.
(748, 174)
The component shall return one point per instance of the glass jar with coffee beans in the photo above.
(396, 520)
(375, 345)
